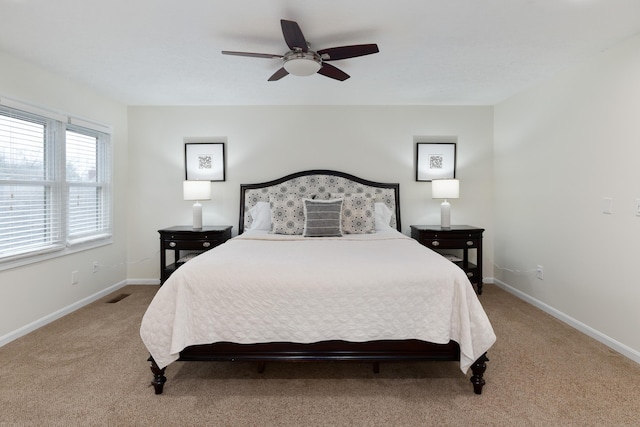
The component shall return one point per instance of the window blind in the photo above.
(30, 210)
(54, 184)
(88, 178)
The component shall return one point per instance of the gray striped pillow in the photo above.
(322, 218)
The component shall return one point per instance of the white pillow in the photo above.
(261, 216)
(383, 216)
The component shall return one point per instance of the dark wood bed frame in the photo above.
(370, 351)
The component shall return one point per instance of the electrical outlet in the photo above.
(96, 266)
(74, 278)
(637, 207)
(540, 272)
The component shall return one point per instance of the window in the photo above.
(55, 185)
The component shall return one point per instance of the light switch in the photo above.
(637, 207)
(607, 205)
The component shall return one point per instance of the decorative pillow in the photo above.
(383, 216)
(260, 216)
(323, 218)
(358, 214)
(287, 214)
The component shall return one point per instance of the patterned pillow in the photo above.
(323, 218)
(287, 214)
(320, 196)
(358, 214)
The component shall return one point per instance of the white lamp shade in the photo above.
(445, 189)
(196, 190)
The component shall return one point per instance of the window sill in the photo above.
(26, 259)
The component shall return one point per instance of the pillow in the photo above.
(322, 218)
(358, 214)
(383, 216)
(287, 215)
(260, 216)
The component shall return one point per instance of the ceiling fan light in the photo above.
(302, 66)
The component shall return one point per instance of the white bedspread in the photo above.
(265, 288)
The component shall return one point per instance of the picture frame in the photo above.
(204, 161)
(435, 160)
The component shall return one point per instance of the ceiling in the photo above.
(433, 52)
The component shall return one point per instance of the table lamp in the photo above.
(197, 190)
(445, 189)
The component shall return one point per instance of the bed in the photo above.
(319, 271)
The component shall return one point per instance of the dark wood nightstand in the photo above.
(183, 238)
(463, 237)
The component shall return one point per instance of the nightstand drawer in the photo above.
(192, 244)
(449, 243)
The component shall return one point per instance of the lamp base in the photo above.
(197, 216)
(445, 215)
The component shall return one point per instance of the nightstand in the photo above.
(183, 238)
(463, 237)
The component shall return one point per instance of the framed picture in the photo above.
(204, 161)
(435, 160)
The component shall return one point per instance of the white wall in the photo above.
(36, 291)
(264, 143)
(560, 148)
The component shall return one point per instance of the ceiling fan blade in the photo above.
(329, 70)
(278, 75)
(253, 55)
(293, 35)
(344, 52)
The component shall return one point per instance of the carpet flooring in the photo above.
(89, 368)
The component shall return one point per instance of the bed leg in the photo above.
(261, 366)
(478, 368)
(158, 376)
(376, 367)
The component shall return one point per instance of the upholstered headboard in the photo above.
(318, 182)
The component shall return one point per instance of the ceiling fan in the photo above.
(301, 61)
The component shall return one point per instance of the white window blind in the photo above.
(88, 178)
(54, 184)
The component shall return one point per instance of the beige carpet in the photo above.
(89, 368)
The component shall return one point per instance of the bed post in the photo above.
(478, 368)
(158, 376)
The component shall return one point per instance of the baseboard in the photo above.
(143, 281)
(5, 339)
(585, 329)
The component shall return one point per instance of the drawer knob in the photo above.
(172, 244)
(206, 244)
(469, 274)
(469, 242)
(435, 243)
